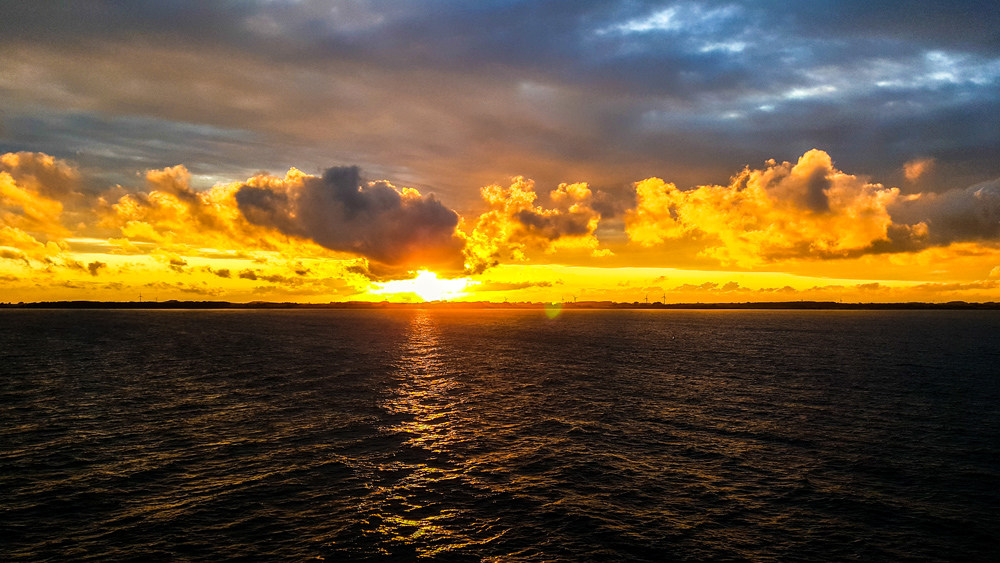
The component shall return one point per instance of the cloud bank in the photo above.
(300, 233)
(610, 91)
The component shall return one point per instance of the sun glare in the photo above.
(427, 286)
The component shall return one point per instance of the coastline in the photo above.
(461, 305)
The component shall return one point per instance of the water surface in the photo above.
(499, 435)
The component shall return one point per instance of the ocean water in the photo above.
(499, 435)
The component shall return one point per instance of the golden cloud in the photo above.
(334, 234)
(179, 219)
(33, 187)
(809, 209)
(515, 224)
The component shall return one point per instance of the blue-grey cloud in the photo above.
(557, 90)
(342, 212)
(961, 215)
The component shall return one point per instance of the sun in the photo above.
(427, 286)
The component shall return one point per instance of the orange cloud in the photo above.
(916, 168)
(177, 218)
(515, 224)
(332, 236)
(809, 209)
(32, 187)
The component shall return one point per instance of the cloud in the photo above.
(42, 174)
(515, 224)
(15, 255)
(707, 286)
(71, 264)
(397, 227)
(915, 169)
(911, 79)
(508, 286)
(185, 288)
(177, 264)
(958, 215)
(181, 221)
(808, 209)
(33, 189)
(268, 229)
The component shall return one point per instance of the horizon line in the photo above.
(584, 305)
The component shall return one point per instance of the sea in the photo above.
(499, 435)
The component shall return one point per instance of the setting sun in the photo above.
(427, 286)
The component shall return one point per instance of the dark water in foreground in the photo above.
(499, 436)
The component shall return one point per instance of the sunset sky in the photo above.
(315, 151)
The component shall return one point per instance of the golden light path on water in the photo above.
(427, 286)
(412, 509)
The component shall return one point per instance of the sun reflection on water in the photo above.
(418, 507)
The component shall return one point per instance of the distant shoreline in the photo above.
(459, 305)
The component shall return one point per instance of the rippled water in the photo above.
(499, 435)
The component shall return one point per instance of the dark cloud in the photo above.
(606, 92)
(71, 264)
(15, 255)
(95, 266)
(552, 227)
(962, 215)
(341, 212)
(50, 177)
(961, 24)
(377, 272)
(177, 264)
(115, 145)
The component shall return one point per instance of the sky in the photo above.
(316, 151)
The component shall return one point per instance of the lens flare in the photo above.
(553, 309)
(427, 286)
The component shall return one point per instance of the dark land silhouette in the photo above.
(569, 305)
